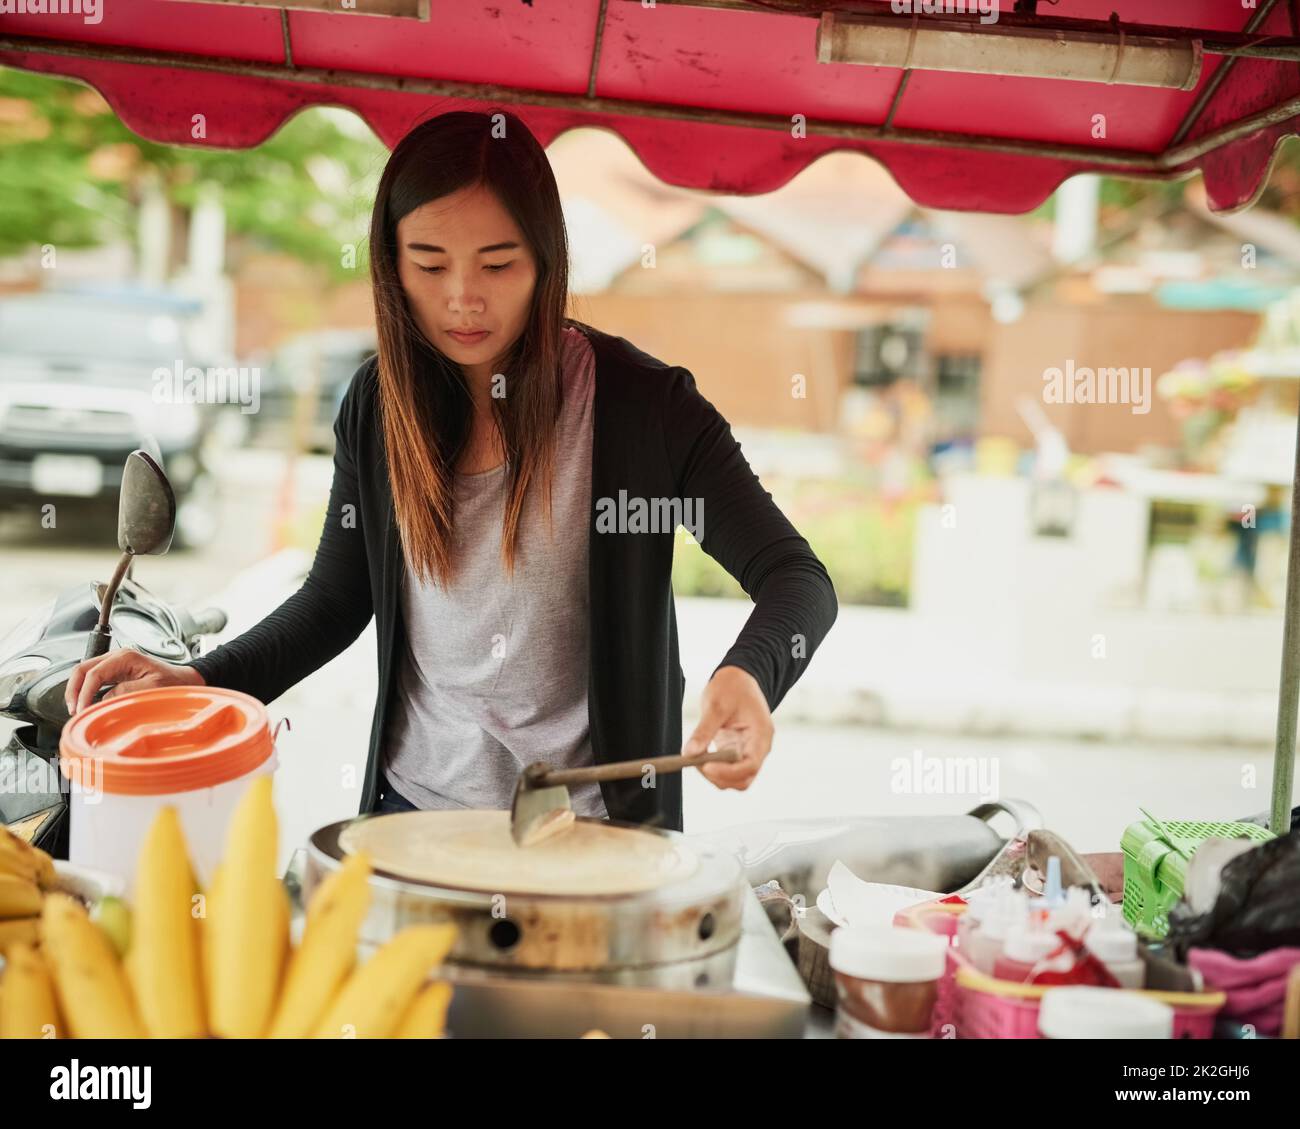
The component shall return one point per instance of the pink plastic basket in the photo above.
(971, 1005)
(976, 1006)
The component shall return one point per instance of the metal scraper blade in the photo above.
(538, 811)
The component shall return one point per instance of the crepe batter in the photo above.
(474, 850)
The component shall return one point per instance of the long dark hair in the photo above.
(425, 402)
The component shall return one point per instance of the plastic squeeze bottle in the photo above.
(978, 907)
(1008, 912)
(1027, 955)
(1115, 945)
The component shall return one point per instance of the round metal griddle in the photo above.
(695, 917)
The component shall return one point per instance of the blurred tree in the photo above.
(71, 175)
(1121, 196)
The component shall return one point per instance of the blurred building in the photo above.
(840, 278)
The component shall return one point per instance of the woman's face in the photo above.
(465, 266)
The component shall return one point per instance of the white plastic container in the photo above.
(1078, 1012)
(886, 981)
(194, 748)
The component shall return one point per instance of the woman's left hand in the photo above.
(733, 701)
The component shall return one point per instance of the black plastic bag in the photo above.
(1258, 907)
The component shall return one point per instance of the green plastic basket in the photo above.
(1155, 873)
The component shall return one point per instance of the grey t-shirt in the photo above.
(494, 672)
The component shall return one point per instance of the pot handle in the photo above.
(1027, 816)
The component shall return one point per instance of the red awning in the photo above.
(705, 92)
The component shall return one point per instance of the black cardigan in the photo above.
(656, 437)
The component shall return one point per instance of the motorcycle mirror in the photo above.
(146, 507)
(146, 517)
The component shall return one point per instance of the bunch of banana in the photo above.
(28, 1009)
(383, 996)
(162, 957)
(247, 922)
(220, 962)
(25, 874)
(90, 984)
(258, 986)
(325, 957)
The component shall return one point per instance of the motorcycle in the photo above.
(39, 655)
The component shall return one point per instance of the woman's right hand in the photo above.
(129, 670)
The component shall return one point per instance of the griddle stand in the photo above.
(750, 990)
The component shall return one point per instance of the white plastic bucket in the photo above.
(194, 748)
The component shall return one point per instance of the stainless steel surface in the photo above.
(928, 852)
(750, 988)
(737, 983)
(618, 938)
(760, 996)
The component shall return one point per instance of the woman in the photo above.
(507, 482)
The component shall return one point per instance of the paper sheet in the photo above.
(847, 900)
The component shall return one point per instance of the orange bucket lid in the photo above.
(172, 739)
